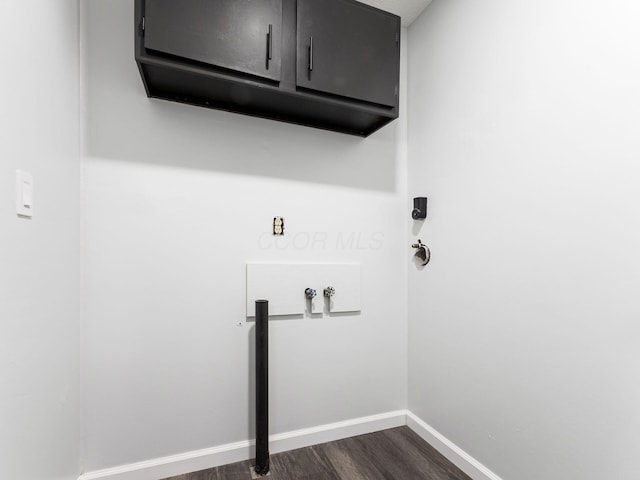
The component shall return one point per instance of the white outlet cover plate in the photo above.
(24, 194)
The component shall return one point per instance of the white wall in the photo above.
(524, 132)
(177, 199)
(39, 258)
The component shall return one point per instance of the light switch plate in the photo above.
(24, 194)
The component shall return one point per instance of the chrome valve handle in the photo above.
(329, 292)
(310, 293)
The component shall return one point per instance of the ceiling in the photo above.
(407, 9)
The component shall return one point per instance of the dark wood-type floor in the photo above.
(396, 454)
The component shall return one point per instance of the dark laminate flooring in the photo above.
(395, 454)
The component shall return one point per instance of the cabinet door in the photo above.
(348, 49)
(240, 35)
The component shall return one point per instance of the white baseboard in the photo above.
(165, 467)
(161, 468)
(457, 456)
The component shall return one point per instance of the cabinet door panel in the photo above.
(348, 49)
(232, 34)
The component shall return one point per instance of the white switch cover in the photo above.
(24, 194)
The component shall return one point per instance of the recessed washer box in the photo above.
(284, 284)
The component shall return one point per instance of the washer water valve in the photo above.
(329, 292)
(310, 293)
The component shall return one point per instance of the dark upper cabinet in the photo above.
(256, 57)
(240, 35)
(347, 48)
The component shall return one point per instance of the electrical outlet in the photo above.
(278, 226)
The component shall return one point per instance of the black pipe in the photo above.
(262, 387)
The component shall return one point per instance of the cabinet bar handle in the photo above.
(311, 54)
(270, 52)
